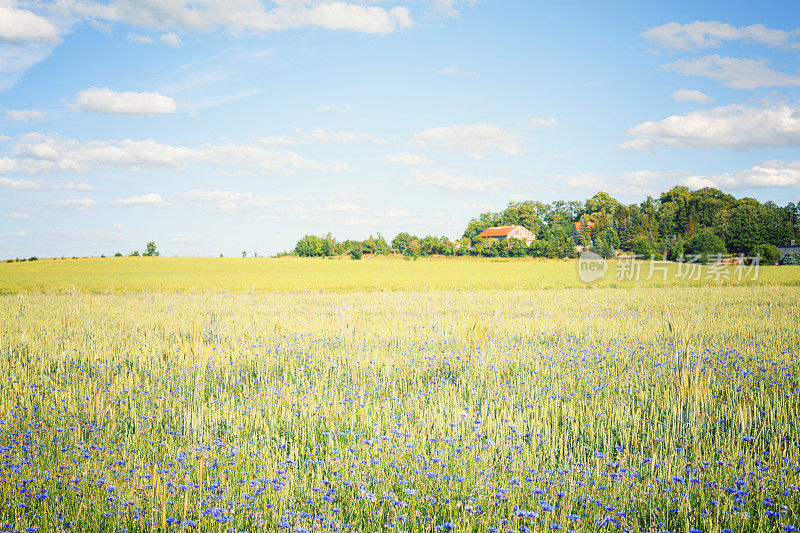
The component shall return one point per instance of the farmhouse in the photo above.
(791, 248)
(576, 235)
(504, 233)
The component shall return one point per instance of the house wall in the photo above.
(786, 250)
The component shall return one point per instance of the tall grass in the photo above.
(642, 409)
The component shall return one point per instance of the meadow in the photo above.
(292, 274)
(643, 409)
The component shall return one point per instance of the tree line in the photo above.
(677, 223)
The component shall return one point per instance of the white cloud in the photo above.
(96, 100)
(632, 184)
(29, 185)
(25, 39)
(230, 202)
(448, 7)
(348, 192)
(319, 136)
(72, 204)
(24, 115)
(342, 207)
(406, 158)
(734, 72)
(545, 122)
(686, 95)
(36, 153)
(735, 127)
(699, 34)
(773, 173)
(16, 234)
(17, 215)
(244, 15)
(21, 25)
(145, 200)
(473, 139)
(16, 59)
(450, 181)
(455, 71)
(171, 39)
(117, 225)
(135, 38)
(478, 207)
(400, 212)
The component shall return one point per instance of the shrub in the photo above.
(769, 253)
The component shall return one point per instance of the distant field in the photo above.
(289, 274)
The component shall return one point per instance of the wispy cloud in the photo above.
(476, 140)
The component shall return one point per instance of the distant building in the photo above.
(504, 233)
(791, 248)
(576, 235)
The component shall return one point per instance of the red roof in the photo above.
(499, 231)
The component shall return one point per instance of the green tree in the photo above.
(150, 250)
(745, 227)
(769, 253)
(704, 243)
(401, 241)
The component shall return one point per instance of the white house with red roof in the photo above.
(504, 233)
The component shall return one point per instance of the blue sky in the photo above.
(220, 126)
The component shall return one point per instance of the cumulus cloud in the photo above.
(342, 207)
(686, 95)
(171, 39)
(473, 139)
(735, 127)
(319, 136)
(146, 200)
(735, 72)
(30, 185)
(545, 122)
(406, 158)
(97, 100)
(451, 181)
(24, 115)
(20, 25)
(25, 39)
(699, 34)
(37, 153)
(230, 202)
(773, 173)
(135, 38)
(244, 15)
(17, 215)
(71, 204)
